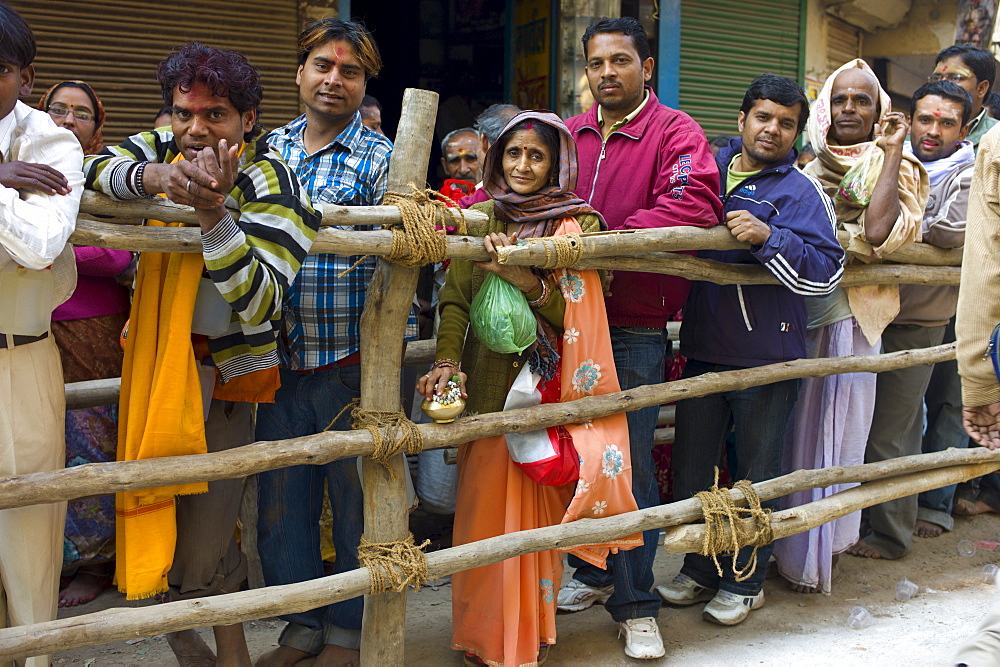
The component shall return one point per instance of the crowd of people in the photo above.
(256, 339)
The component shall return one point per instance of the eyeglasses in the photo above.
(954, 77)
(61, 111)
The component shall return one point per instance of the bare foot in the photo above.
(965, 507)
(190, 649)
(803, 588)
(231, 644)
(86, 585)
(338, 656)
(927, 529)
(283, 656)
(863, 549)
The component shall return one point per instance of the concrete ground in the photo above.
(924, 631)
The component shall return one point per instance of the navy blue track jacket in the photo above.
(754, 325)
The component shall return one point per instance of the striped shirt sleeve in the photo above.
(254, 260)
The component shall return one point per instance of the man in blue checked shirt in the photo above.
(339, 161)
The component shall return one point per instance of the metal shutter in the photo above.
(843, 43)
(725, 44)
(115, 45)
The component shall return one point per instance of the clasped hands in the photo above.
(204, 182)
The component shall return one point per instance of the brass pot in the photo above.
(443, 414)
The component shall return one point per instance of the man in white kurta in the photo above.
(41, 180)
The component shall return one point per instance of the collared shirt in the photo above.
(322, 312)
(979, 126)
(626, 119)
(34, 227)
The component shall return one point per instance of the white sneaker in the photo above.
(577, 596)
(642, 638)
(684, 591)
(731, 608)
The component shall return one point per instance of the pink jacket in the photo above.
(655, 171)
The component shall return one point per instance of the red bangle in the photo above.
(545, 295)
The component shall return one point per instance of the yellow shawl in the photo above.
(160, 413)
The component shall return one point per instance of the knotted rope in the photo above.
(394, 565)
(419, 241)
(400, 433)
(561, 251)
(727, 531)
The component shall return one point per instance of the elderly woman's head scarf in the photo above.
(96, 142)
(553, 201)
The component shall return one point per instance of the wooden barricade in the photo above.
(383, 322)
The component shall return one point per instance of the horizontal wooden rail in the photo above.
(134, 211)
(897, 478)
(97, 478)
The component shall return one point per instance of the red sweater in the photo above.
(655, 171)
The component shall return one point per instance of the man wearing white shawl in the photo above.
(851, 118)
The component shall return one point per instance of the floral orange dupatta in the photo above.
(588, 369)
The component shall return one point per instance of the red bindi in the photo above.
(936, 113)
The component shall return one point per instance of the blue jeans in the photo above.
(290, 501)
(759, 416)
(640, 358)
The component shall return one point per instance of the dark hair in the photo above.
(490, 123)
(370, 101)
(549, 135)
(720, 141)
(978, 59)
(625, 25)
(17, 42)
(79, 85)
(778, 89)
(168, 109)
(992, 104)
(947, 90)
(355, 33)
(226, 73)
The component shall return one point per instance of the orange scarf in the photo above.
(588, 369)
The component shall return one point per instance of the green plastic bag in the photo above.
(858, 184)
(501, 317)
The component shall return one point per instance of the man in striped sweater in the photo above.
(215, 160)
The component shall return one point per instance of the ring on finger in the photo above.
(188, 186)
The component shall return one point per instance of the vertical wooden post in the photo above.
(383, 324)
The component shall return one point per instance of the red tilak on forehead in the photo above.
(936, 113)
(529, 125)
(340, 52)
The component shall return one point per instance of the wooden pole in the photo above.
(96, 478)
(383, 324)
(134, 211)
(91, 393)
(622, 243)
(173, 239)
(119, 624)
(689, 538)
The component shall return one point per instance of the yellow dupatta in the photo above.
(160, 413)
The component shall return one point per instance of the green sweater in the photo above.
(490, 373)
